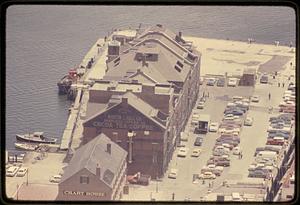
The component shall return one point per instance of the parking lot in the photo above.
(50, 165)
(251, 137)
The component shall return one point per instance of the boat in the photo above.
(26, 146)
(65, 83)
(37, 137)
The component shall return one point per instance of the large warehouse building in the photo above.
(145, 97)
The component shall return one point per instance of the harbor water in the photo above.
(44, 42)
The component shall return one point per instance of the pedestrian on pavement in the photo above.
(241, 155)
(173, 196)
(278, 84)
(269, 96)
(283, 85)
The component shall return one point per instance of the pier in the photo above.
(72, 134)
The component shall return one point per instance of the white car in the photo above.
(236, 150)
(55, 178)
(248, 121)
(200, 105)
(184, 136)
(182, 152)
(232, 82)
(207, 175)
(196, 153)
(12, 171)
(22, 171)
(231, 117)
(214, 126)
(255, 98)
(173, 173)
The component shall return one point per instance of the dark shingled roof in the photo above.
(93, 153)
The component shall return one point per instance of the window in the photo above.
(84, 180)
(115, 136)
(177, 68)
(179, 63)
(146, 132)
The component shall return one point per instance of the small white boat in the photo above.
(37, 137)
(26, 146)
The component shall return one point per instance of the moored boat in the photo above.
(37, 137)
(26, 146)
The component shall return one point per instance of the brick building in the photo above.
(97, 171)
(145, 98)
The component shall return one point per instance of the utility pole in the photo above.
(27, 178)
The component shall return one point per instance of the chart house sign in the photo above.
(83, 193)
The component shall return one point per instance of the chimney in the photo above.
(98, 171)
(108, 148)
(180, 34)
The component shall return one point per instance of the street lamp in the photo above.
(130, 136)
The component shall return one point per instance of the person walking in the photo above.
(278, 84)
(283, 85)
(269, 96)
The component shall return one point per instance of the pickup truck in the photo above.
(139, 178)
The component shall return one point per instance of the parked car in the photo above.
(220, 150)
(234, 112)
(182, 152)
(258, 149)
(258, 174)
(232, 82)
(210, 81)
(200, 105)
(223, 163)
(173, 173)
(264, 79)
(229, 137)
(139, 178)
(55, 178)
(196, 153)
(237, 98)
(275, 141)
(229, 146)
(221, 82)
(255, 166)
(184, 136)
(22, 171)
(217, 170)
(198, 141)
(213, 127)
(207, 175)
(12, 171)
(248, 121)
(255, 98)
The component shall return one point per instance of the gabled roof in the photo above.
(138, 104)
(94, 153)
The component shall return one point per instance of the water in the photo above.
(44, 42)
